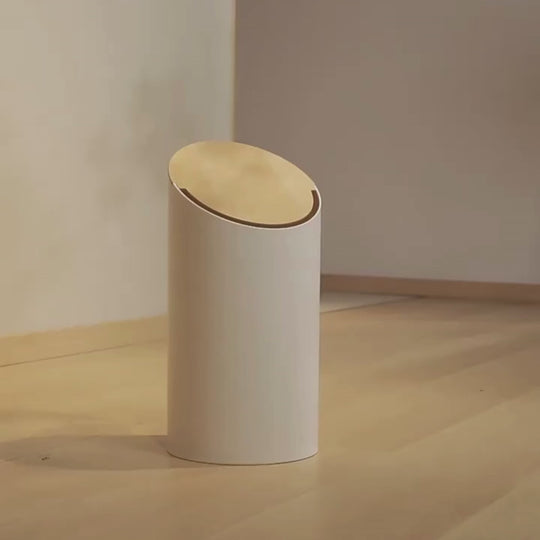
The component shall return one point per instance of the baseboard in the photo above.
(83, 339)
(472, 290)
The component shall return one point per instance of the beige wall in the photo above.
(419, 120)
(95, 97)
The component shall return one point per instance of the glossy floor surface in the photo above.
(430, 429)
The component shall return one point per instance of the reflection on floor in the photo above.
(429, 430)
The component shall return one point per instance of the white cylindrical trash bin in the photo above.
(244, 271)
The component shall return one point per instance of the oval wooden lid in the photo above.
(244, 183)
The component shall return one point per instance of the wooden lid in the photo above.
(244, 183)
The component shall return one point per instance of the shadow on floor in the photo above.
(94, 452)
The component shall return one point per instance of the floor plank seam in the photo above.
(81, 353)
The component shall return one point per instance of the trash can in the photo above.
(244, 272)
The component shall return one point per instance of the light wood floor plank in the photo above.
(429, 429)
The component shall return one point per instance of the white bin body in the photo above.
(243, 379)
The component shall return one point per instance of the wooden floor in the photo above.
(430, 429)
